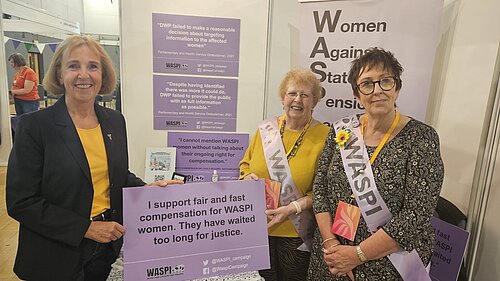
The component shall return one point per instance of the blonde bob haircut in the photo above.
(52, 81)
(303, 77)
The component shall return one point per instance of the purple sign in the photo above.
(195, 45)
(194, 103)
(448, 250)
(198, 154)
(182, 232)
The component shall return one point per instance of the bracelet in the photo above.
(361, 255)
(298, 209)
(332, 246)
(328, 239)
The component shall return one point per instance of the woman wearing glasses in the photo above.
(286, 149)
(377, 185)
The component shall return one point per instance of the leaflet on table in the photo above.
(195, 230)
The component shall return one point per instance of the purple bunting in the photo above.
(53, 46)
(16, 43)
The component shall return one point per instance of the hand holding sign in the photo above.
(166, 182)
(279, 215)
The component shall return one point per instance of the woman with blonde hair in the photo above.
(66, 172)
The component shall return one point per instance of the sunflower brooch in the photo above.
(342, 137)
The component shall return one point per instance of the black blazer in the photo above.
(49, 188)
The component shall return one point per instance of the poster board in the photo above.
(333, 33)
(137, 64)
(188, 231)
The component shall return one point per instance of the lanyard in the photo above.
(386, 137)
(293, 150)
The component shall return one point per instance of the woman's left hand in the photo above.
(165, 183)
(104, 231)
(277, 215)
(341, 259)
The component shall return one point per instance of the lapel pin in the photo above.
(109, 136)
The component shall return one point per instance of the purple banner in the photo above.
(448, 250)
(182, 232)
(198, 154)
(195, 45)
(194, 103)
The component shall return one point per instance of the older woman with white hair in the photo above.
(286, 149)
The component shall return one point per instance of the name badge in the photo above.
(346, 220)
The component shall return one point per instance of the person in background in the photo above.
(384, 169)
(66, 172)
(295, 139)
(24, 88)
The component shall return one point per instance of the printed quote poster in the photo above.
(183, 232)
(199, 154)
(449, 249)
(334, 33)
(195, 72)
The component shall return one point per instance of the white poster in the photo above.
(160, 163)
(333, 33)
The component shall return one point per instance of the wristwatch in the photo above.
(361, 254)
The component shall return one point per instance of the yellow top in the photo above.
(302, 165)
(93, 144)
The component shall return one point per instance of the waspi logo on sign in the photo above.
(164, 271)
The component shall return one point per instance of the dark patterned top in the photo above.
(408, 172)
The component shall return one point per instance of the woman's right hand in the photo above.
(251, 176)
(278, 215)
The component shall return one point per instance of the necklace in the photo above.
(384, 139)
(293, 151)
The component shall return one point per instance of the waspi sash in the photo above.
(373, 208)
(279, 170)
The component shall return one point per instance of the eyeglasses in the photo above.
(294, 95)
(367, 87)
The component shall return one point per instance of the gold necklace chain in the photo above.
(298, 142)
